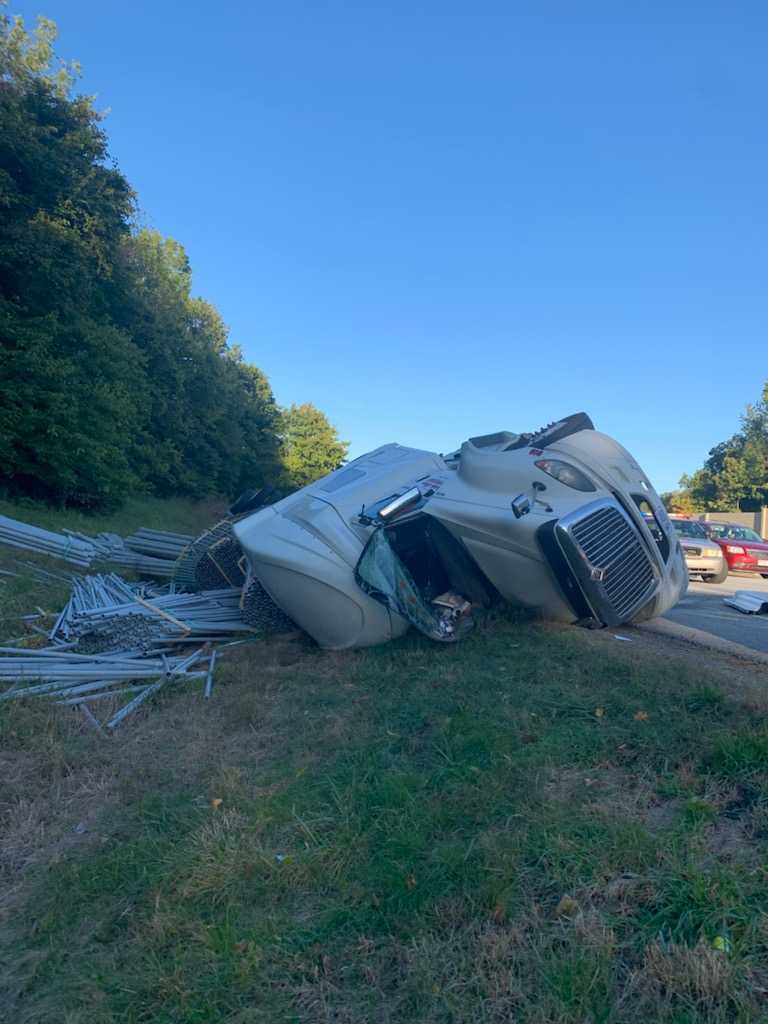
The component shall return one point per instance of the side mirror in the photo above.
(521, 505)
(400, 503)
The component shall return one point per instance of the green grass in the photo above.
(529, 826)
(177, 514)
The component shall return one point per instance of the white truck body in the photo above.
(601, 551)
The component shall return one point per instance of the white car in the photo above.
(553, 520)
(704, 557)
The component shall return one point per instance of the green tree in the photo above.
(71, 379)
(737, 469)
(27, 56)
(114, 376)
(680, 502)
(213, 420)
(311, 447)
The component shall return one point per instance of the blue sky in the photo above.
(439, 219)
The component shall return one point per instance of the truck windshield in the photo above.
(653, 525)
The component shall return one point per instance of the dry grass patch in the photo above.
(697, 977)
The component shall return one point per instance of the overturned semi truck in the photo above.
(561, 520)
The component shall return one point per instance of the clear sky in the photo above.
(437, 219)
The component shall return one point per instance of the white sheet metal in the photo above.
(751, 602)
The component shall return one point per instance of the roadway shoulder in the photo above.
(700, 638)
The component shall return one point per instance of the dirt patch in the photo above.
(587, 784)
(659, 817)
(726, 840)
(623, 893)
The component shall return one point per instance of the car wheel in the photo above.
(721, 577)
(764, 575)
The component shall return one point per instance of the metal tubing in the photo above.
(209, 677)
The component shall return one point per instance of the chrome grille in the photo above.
(608, 555)
(757, 553)
(694, 552)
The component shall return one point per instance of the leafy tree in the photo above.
(114, 376)
(737, 469)
(311, 447)
(25, 56)
(680, 502)
(213, 420)
(71, 379)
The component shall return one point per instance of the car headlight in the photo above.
(734, 549)
(566, 474)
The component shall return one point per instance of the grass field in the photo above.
(536, 825)
(156, 513)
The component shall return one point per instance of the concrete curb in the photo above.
(700, 638)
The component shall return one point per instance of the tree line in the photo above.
(735, 475)
(114, 377)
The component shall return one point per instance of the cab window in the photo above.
(653, 525)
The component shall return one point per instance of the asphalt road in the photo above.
(703, 608)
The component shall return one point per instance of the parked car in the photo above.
(704, 557)
(744, 548)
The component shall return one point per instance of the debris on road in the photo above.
(751, 602)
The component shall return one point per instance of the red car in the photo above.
(744, 549)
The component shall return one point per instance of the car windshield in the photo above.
(687, 528)
(732, 531)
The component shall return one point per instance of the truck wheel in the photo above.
(721, 577)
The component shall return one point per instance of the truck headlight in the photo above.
(566, 474)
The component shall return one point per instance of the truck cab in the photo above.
(562, 521)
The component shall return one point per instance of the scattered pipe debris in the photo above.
(106, 612)
(32, 538)
(149, 552)
(119, 639)
(119, 642)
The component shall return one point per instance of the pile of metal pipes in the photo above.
(145, 554)
(90, 593)
(80, 680)
(190, 570)
(119, 639)
(159, 543)
(105, 612)
(77, 550)
(148, 552)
